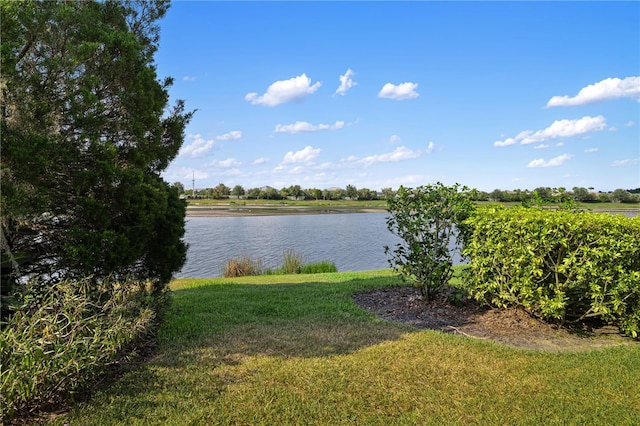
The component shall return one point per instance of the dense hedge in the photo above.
(558, 265)
(62, 337)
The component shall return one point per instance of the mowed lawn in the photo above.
(295, 349)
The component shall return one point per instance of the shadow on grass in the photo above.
(233, 350)
(313, 319)
(215, 335)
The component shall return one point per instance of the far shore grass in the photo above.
(295, 349)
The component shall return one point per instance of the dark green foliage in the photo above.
(425, 218)
(9, 287)
(86, 132)
(558, 265)
(86, 217)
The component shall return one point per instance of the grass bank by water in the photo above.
(284, 207)
(295, 349)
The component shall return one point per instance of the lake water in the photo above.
(354, 242)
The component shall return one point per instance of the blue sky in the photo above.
(381, 94)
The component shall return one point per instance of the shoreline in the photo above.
(259, 210)
(283, 210)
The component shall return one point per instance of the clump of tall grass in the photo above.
(292, 263)
(242, 267)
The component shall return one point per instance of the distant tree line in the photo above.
(546, 194)
(221, 191)
(560, 194)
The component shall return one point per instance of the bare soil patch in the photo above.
(513, 327)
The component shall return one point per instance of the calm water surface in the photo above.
(354, 242)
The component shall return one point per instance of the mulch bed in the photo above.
(513, 327)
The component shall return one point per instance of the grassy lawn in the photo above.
(295, 349)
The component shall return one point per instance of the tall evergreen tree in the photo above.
(86, 132)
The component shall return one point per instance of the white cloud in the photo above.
(560, 144)
(296, 170)
(541, 146)
(230, 172)
(630, 123)
(346, 82)
(187, 174)
(198, 147)
(285, 91)
(399, 154)
(229, 162)
(400, 92)
(589, 150)
(394, 139)
(323, 166)
(408, 180)
(231, 136)
(303, 126)
(625, 162)
(558, 129)
(259, 161)
(506, 142)
(302, 156)
(430, 147)
(188, 78)
(609, 88)
(566, 129)
(554, 162)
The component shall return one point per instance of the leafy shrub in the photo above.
(64, 336)
(557, 265)
(425, 218)
(245, 266)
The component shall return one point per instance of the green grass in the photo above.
(324, 266)
(295, 349)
